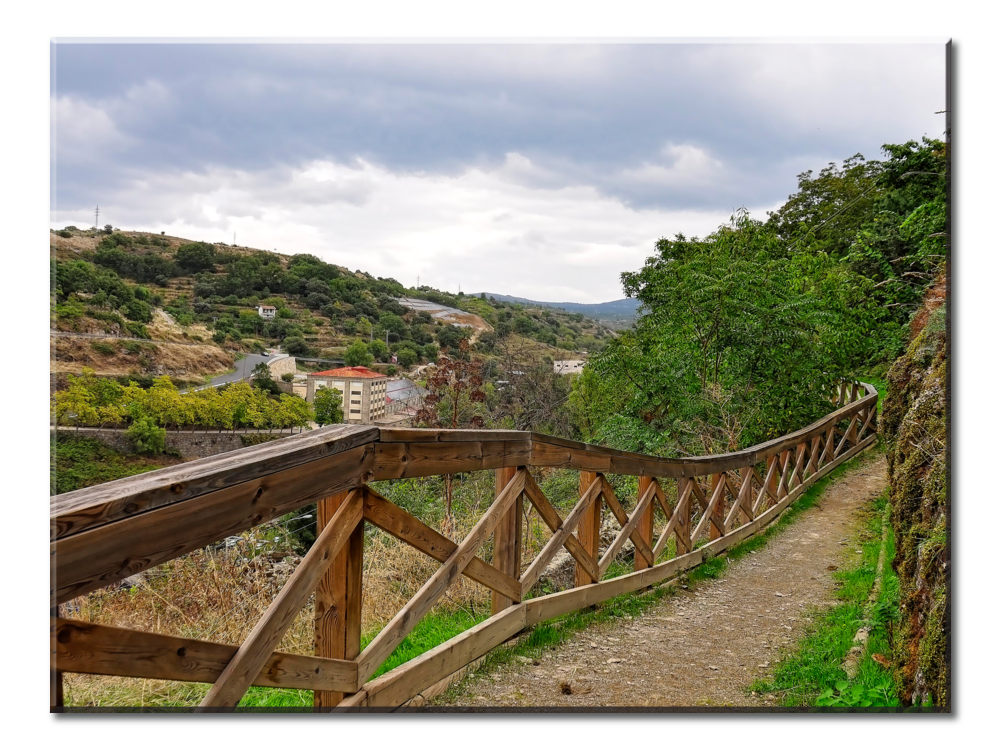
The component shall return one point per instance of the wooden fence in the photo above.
(104, 534)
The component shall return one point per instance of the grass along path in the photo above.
(702, 640)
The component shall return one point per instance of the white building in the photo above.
(267, 312)
(568, 366)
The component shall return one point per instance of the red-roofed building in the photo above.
(363, 392)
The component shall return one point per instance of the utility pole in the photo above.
(234, 239)
(97, 213)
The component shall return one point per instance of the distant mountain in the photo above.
(618, 311)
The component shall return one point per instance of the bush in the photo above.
(288, 377)
(147, 436)
(195, 256)
(103, 347)
(64, 233)
(407, 358)
(358, 354)
(296, 346)
(379, 350)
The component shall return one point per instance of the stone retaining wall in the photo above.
(188, 444)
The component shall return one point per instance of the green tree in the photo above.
(358, 354)
(729, 336)
(327, 406)
(379, 350)
(406, 358)
(147, 436)
(195, 256)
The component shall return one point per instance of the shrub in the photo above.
(288, 377)
(296, 346)
(357, 354)
(407, 358)
(103, 347)
(64, 233)
(147, 436)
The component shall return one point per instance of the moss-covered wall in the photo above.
(914, 427)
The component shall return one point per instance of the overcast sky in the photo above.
(541, 171)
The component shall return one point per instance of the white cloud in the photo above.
(84, 132)
(479, 229)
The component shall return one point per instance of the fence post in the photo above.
(589, 531)
(682, 530)
(338, 600)
(645, 526)
(507, 539)
(719, 512)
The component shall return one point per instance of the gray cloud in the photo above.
(211, 136)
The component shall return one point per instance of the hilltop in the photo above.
(187, 309)
(616, 314)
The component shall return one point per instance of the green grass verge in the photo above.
(813, 674)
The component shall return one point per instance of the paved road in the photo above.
(243, 369)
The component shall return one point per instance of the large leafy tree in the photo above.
(358, 354)
(728, 336)
(327, 406)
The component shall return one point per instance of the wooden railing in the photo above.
(104, 534)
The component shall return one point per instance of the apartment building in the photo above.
(363, 392)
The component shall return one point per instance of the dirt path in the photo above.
(702, 647)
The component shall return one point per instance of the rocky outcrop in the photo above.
(914, 426)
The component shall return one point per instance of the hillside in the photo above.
(168, 305)
(616, 314)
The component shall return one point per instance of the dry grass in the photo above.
(72, 355)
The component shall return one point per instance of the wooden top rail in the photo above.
(106, 533)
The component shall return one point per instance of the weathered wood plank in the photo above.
(741, 500)
(679, 519)
(708, 515)
(106, 554)
(394, 520)
(645, 526)
(73, 512)
(379, 649)
(703, 501)
(562, 533)
(629, 529)
(507, 542)
(435, 435)
(619, 512)
(845, 438)
(424, 459)
(589, 529)
(90, 648)
(250, 658)
(337, 619)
